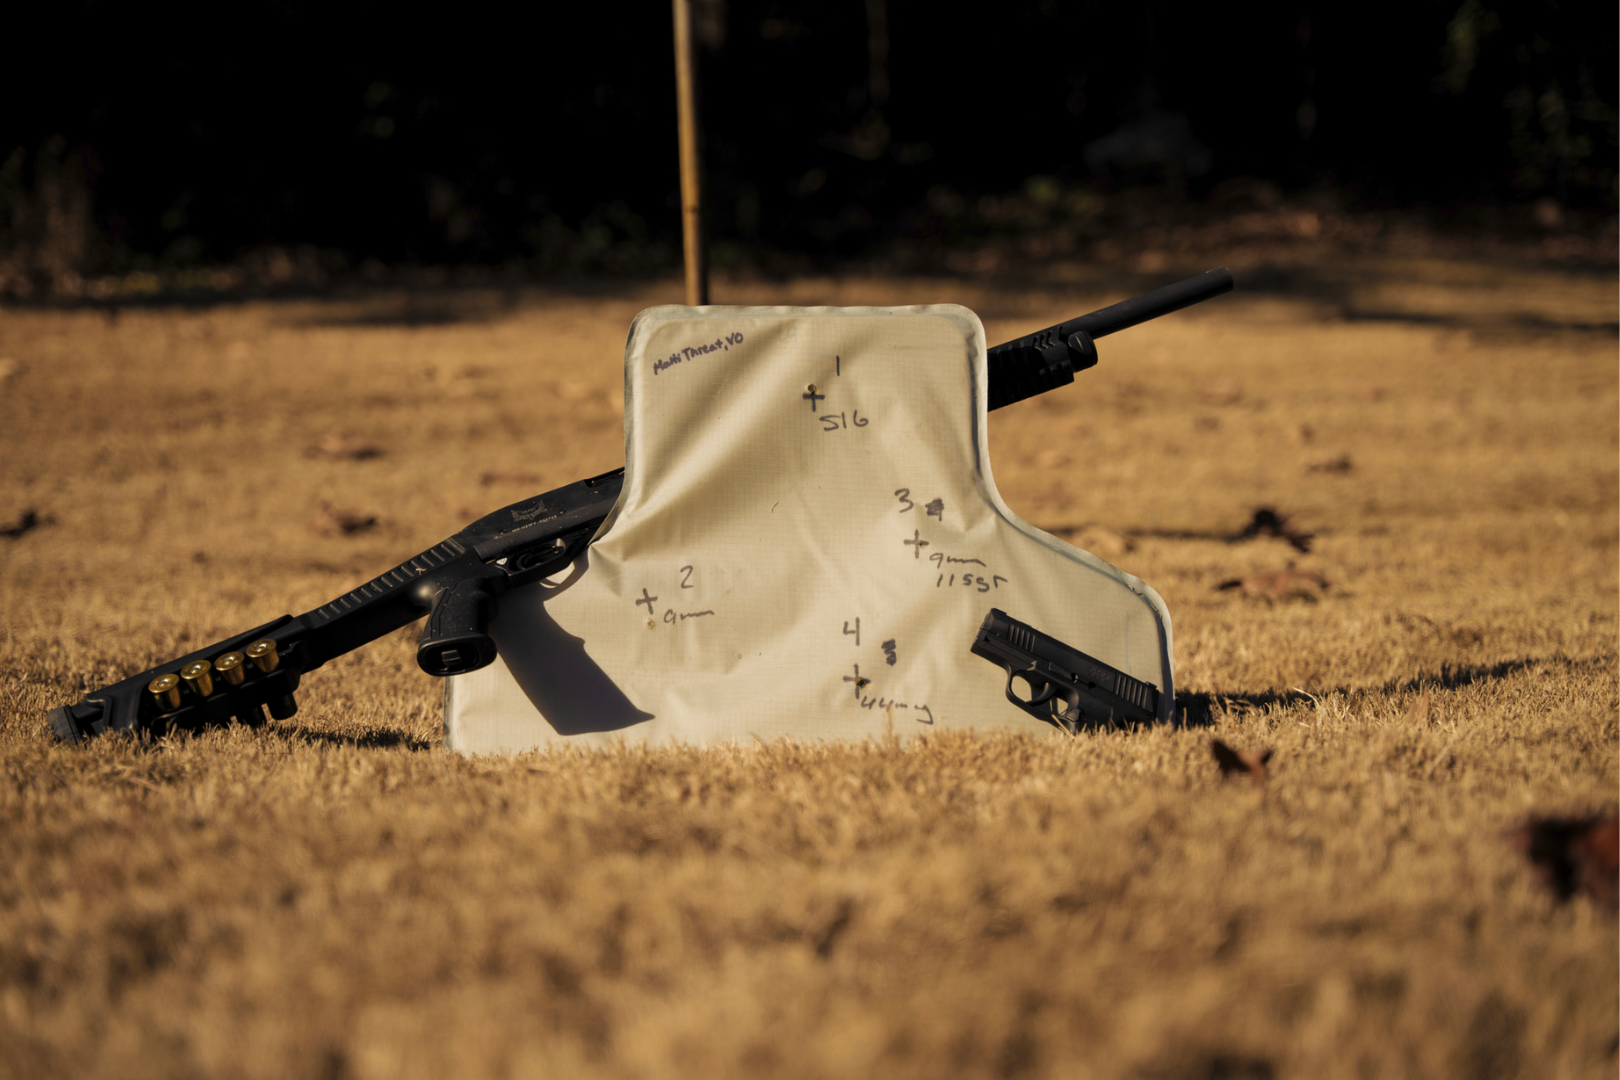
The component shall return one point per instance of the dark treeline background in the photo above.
(169, 136)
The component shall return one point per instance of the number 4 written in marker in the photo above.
(856, 632)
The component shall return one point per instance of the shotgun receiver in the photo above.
(458, 582)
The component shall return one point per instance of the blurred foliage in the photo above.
(546, 139)
(1561, 133)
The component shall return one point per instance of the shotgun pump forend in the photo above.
(458, 583)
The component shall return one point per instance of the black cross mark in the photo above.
(645, 599)
(917, 543)
(860, 683)
(812, 397)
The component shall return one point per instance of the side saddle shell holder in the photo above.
(806, 544)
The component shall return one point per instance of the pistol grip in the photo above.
(455, 640)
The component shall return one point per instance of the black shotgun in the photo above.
(458, 582)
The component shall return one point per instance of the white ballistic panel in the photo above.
(806, 544)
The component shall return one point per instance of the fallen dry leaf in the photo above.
(491, 478)
(1251, 763)
(1221, 393)
(1418, 711)
(1101, 540)
(1280, 584)
(1268, 522)
(29, 521)
(346, 447)
(331, 522)
(1572, 855)
(461, 510)
(1051, 459)
(1340, 464)
(574, 390)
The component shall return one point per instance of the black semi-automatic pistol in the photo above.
(1067, 688)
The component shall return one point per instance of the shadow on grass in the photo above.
(386, 739)
(1320, 273)
(1201, 710)
(1336, 286)
(439, 316)
(1453, 678)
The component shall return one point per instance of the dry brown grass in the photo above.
(338, 897)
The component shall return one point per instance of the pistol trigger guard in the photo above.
(1040, 689)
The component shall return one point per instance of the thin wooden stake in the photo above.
(697, 255)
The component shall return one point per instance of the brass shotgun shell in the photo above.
(229, 667)
(264, 657)
(166, 690)
(263, 654)
(198, 677)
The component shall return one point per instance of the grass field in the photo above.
(337, 896)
